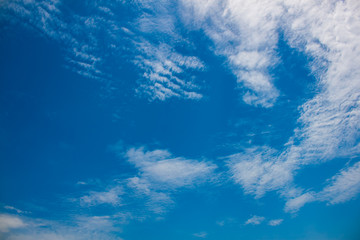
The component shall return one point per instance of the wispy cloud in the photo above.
(81, 227)
(246, 33)
(343, 186)
(255, 220)
(111, 196)
(260, 170)
(200, 234)
(92, 42)
(158, 176)
(294, 204)
(86, 40)
(166, 171)
(275, 222)
(329, 125)
(8, 222)
(166, 72)
(11, 208)
(160, 173)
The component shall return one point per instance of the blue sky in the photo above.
(179, 119)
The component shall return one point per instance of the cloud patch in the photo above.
(9, 222)
(275, 222)
(255, 220)
(160, 174)
(166, 72)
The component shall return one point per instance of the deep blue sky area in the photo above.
(179, 120)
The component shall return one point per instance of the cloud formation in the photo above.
(245, 32)
(81, 227)
(200, 235)
(112, 197)
(8, 222)
(275, 222)
(92, 41)
(160, 174)
(328, 126)
(255, 220)
(164, 69)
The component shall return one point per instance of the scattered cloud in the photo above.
(160, 173)
(294, 204)
(220, 223)
(260, 170)
(164, 72)
(227, 222)
(246, 33)
(78, 35)
(11, 208)
(328, 126)
(8, 222)
(92, 42)
(275, 222)
(112, 197)
(81, 227)
(166, 171)
(342, 187)
(255, 220)
(81, 183)
(200, 234)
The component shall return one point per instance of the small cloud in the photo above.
(166, 72)
(226, 221)
(220, 223)
(294, 204)
(111, 196)
(200, 234)
(343, 186)
(8, 222)
(14, 209)
(81, 183)
(255, 220)
(162, 169)
(275, 222)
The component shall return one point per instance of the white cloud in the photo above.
(255, 220)
(294, 204)
(81, 228)
(90, 42)
(111, 196)
(157, 201)
(343, 186)
(220, 223)
(160, 174)
(275, 222)
(78, 35)
(329, 123)
(260, 170)
(78, 228)
(246, 33)
(8, 222)
(200, 234)
(165, 171)
(166, 71)
(13, 209)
